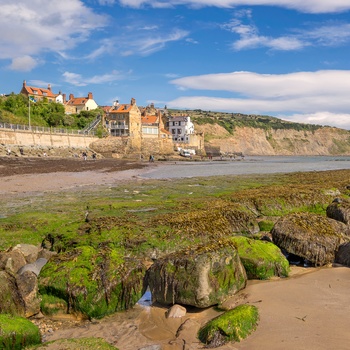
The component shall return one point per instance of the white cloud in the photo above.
(339, 120)
(308, 6)
(329, 34)
(79, 80)
(273, 94)
(23, 64)
(144, 44)
(35, 27)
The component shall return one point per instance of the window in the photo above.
(179, 131)
(173, 131)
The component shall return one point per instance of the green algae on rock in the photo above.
(93, 282)
(17, 332)
(261, 259)
(233, 325)
(201, 276)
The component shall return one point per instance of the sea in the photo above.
(247, 165)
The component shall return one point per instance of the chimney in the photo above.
(49, 87)
(24, 83)
(71, 97)
(133, 102)
(64, 98)
(90, 96)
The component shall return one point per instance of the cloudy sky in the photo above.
(284, 58)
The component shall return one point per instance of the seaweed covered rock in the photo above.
(310, 236)
(17, 332)
(233, 325)
(11, 301)
(261, 259)
(339, 210)
(76, 344)
(219, 218)
(93, 282)
(202, 276)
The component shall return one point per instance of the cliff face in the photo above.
(254, 141)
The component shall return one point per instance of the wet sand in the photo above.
(309, 310)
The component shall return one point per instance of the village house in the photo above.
(38, 94)
(78, 104)
(123, 119)
(152, 123)
(181, 128)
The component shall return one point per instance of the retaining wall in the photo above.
(30, 138)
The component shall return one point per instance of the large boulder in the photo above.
(93, 282)
(202, 276)
(339, 210)
(311, 236)
(11, 301)
(233, 325)
(261, 259)
(17, 332)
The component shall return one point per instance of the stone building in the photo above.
(78, 104)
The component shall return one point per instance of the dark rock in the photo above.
(343, 255)
(339, 210)
(310, 236)
(200, 277)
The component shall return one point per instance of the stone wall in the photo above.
(30, 138)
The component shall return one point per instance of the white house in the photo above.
(180, 127)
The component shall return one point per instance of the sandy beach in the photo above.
(308, 310)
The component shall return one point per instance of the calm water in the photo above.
(250, 165)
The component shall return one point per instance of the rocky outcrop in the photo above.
(261, 259)
(310, 236)
(202, 276)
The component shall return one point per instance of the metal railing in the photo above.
(92, 125)
(42, 129)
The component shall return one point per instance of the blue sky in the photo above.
(284, 58)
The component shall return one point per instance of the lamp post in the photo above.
(29, 112)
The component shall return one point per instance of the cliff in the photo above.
(271, 141)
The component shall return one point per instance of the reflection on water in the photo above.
(146, 299)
